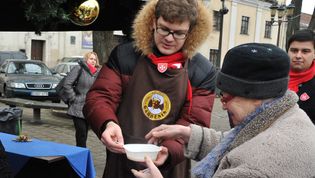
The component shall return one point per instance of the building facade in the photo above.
(246, 21)
(48, 47)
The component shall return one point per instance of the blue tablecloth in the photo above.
(79, 158)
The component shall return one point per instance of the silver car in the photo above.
(64, 68)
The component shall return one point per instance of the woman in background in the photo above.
(77, 84)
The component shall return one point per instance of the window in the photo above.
(214, 57)
(268, 26)
(72, 40)
(216, 20)
(244, 27)
(60, 68)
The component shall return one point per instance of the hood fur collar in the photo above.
(143, 35)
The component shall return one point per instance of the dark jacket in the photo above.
(308, 105)
(82, 79)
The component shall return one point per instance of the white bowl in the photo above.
(137, 152)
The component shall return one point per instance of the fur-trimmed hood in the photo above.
(143, 35)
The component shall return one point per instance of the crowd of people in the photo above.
(159, 89)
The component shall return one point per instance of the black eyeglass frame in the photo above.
(166, 32)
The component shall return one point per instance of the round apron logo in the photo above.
(156, 105)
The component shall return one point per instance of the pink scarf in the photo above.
(92, 68)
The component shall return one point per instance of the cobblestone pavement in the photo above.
(57, 127)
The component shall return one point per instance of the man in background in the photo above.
(301, 50)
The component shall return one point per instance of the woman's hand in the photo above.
(151, 172)
(112, 138)
(168, 132)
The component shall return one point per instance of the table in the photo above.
(22, 154)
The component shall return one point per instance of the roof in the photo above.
(114, 15)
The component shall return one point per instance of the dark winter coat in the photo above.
(306, 95)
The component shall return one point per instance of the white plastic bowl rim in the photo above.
(137, 152)
(142, 148)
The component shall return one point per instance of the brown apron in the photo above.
(150, 99)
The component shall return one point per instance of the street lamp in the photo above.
(282, 12)
(222, 12)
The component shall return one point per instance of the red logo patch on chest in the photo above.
(162, 67)
(304, 97)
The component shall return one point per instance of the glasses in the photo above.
(179, 35)
(225, 99)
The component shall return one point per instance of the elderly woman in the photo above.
(272, 136)
(77, 84)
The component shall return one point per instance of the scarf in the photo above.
(172, 62)
(296, 78)
(92, 68)
(257, 121)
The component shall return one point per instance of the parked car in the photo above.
(62, 69)
(27, 79)
(4, 55)
(72, 59)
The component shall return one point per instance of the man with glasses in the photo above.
(162, 70)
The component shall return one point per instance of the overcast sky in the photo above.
(307, 6)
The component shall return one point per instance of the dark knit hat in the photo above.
(255, 70)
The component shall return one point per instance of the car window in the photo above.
(64, 69)
(27, 68)
(12, 68)
(59, 68)
(36, 69)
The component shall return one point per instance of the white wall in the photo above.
(56, 44)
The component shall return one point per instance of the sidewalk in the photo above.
(57, 127)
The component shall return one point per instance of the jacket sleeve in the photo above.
(103, 97)
(241, 171)
(70, 79)
(202, 140)
(202, 76)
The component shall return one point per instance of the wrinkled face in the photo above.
(301, 55)
(238, 107)
(166, 35)
(91, 60)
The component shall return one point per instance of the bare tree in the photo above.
(103, 43)
(311, 25)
